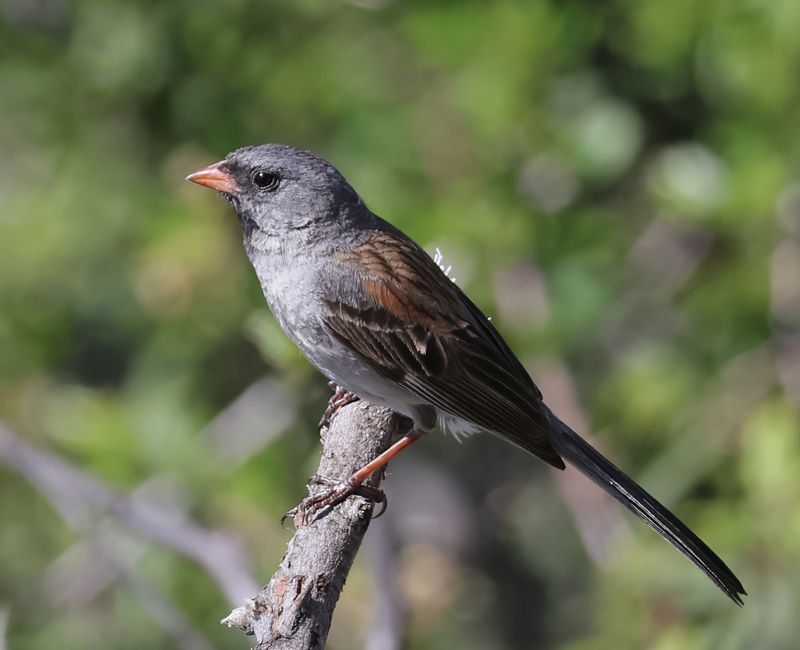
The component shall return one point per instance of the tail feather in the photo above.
(625, 490)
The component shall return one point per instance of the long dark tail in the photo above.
(625, 490)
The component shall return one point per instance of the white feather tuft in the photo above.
(439, 259)
(457, 427)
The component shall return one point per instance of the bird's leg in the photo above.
(336, 493)
(341, 397)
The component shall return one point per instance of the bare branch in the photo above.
(259, 415)
(83, 501)
(294, 611)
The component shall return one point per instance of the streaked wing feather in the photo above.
(416, 327)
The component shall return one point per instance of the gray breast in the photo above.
(294, 294)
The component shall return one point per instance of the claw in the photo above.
(340, 398)
(331, 497)
(338, 492)
(384, 503)
(289, 513)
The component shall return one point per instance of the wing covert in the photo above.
(413, 325)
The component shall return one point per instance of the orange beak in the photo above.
(217, 177)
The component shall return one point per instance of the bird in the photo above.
(375, 314)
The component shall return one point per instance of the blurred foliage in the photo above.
(615, 182)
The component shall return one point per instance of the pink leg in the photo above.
(338, 492)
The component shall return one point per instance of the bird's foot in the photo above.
(336, 493)
(340, 398)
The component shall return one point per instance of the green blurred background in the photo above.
(615, 183)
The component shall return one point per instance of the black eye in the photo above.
(266, 180)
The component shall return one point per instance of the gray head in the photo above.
(275, 188)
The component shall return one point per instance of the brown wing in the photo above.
(411, 323)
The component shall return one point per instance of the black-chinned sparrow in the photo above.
(376, 315)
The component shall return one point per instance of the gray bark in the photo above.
(294, 611)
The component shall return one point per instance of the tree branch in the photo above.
(83, 501)
(294, 611)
